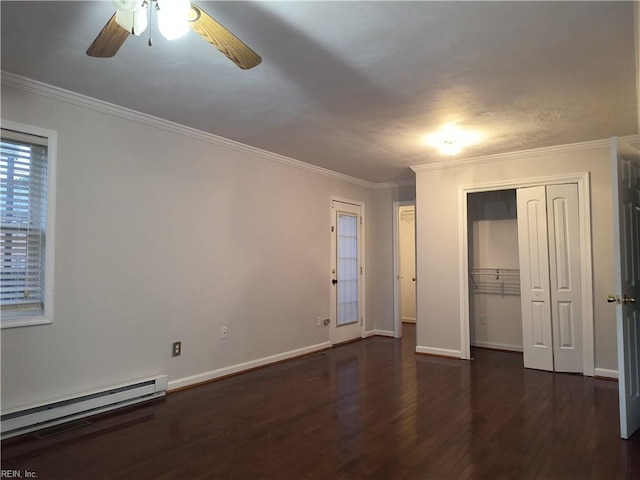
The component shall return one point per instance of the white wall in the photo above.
(495, 319)
(162, 236)
(383, 264)
(438, 237)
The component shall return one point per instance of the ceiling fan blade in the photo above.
(109, 40)
(221, 38)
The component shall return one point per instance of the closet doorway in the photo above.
(497, 310)
(495, 319)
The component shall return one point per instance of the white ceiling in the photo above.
(354, 86)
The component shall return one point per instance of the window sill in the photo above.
(24, 322)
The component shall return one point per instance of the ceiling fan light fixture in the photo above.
(450, 147)
(451, 140)
(134, 21)
(173, 18)
(129, 5)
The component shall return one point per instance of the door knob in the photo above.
(623, 300)
(334, 281)
(413, 279)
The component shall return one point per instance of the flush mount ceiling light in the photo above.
(451, 139)
(175, 18)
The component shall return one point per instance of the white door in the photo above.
(626, 185)
(346, 272)
(564, 267)
(537, 339)
(550, 283)
(407, 241)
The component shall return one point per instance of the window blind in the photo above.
(23, 195)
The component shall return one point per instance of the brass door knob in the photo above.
(623, 300)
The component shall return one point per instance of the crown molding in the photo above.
(400, 183)
(77, 99)
(535, 152)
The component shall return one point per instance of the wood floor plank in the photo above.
(366, 410)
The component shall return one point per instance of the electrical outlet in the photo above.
(176, 349)
(483, 319)
(223, 332)
(318, 321)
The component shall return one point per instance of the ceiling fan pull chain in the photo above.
(150, 42)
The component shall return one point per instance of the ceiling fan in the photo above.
(174, 19)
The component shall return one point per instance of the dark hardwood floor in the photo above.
(370, 409)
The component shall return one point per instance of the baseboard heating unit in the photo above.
(35, 417)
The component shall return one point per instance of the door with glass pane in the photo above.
(346, 272)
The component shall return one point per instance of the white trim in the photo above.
(381, 333)
(535, 152)
(49, 249)
(349, 201)
(441, 352)
(399, 183)
(73, 98)
(18, 322)
(463, 275)
(242, 367)
(605, 373)
(584, 200)
(498, 346)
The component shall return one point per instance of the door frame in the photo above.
(361, 289)
(584, 204)
(397, 304)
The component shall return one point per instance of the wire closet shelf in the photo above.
(499, 281)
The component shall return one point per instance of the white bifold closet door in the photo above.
(550, 264)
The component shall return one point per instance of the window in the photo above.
(25, 253)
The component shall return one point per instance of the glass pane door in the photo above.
(347, 268)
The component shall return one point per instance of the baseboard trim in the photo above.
(381, 333)
(497, 346)
(439, 352)
(605, 373)
(220, 373)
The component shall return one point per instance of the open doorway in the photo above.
(404, 234)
